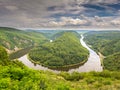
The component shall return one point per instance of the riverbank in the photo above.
(20, 53)
(92, 64)
(101, 58)
(60, 68)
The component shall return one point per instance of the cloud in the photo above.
(60, 13)
(11, 8)
(66, 21)
(116, 21)
(99, 1)
(86, 22)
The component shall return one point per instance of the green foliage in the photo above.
(108, 43)
(3, 53)
(12, 38)
(72, 77)
(5, 83)
(112, 62)
(20, 53)
(63, 87)
(3, 56)
(15, 76)
(65, 50)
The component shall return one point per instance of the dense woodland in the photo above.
(15, 76)
(107, 43)
(65, 50)
(14, 39)
(112, 62)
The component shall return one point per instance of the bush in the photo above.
(5, 83)
(63, 87)
(105, 74)
(3, 54)
(75, 76)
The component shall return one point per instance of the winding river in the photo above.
(93, 63)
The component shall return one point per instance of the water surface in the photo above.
(93, 63)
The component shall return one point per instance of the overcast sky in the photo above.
(60, 14)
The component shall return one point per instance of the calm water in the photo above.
(93, 63)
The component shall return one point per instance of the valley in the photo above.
(63, 53)
(92, 64)
(108, 44)
(22, 74)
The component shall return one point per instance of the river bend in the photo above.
(93, 63)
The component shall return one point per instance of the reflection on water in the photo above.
(28, 63)
(93, 63)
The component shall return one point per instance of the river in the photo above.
(93, 63)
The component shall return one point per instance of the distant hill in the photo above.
(107, 43)
(16, 76)
(64, 51)
(14, 39)
(112, 62)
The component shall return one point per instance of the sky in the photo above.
(60, 14)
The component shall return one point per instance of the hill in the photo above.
(112, 62)
(15, 76)
(3, 56)
(107, 43)
(14, 39)
(65, 51)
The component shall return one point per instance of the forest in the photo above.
(14, 39)
(108, 44)
(15, 76)
(64, 51)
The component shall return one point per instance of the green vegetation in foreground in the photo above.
(3, 56)
(107, 43)
(65, 51)
(14, 39)
(15, 76)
